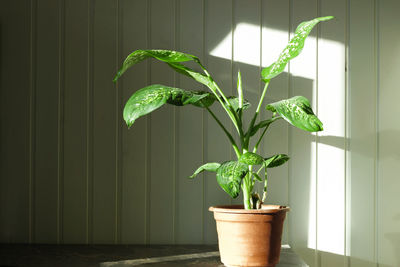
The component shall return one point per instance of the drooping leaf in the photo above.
(293, 48)
(262, 124)
(154, 96)
(276, 160)
(230, 175)
(251, 158)
(167, 56)
(297, 111)
(211, 167)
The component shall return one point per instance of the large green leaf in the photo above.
(211, 167)
(167, 56)
(276, 160)
(297, 111)
(251, 158)
(154, 96)
(262, 124)
(230, 175)
(293, 48)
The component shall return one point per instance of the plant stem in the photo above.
(265, 186)
(227, 107)
(234, 145)
(246, 188)
(256, 114)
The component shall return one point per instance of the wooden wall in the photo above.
(71, 172)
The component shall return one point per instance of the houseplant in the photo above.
(234, 175)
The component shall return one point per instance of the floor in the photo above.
(121, 255)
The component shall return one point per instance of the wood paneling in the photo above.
(388, 182)
(362, 122)
(105, 132)
(75, 130)
(302, 145)
(217, 148)
(15, 139)
(134, 150)
(48, 115)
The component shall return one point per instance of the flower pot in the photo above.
(249, 237)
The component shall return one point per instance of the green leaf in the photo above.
(297, 111)
(230, 175)
(206, 100)
(201, 78)
(293, 48)
(251, 158)
(262, 124)
(257, 176)
(154, 96)
(276, 160)
(235, 103)
(211, 167)
(167, 56)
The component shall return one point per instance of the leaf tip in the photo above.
(117, 77)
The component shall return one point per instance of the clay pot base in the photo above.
(249, 237)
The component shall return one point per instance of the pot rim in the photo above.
(265, 209)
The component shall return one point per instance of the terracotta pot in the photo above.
(249, 237)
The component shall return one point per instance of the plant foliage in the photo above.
(231, 175)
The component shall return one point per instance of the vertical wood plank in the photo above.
(134, 32)
(162, 130)
(331, 96)
(218, 43)
(104, 116)
(14, 124)
(388, 182)
(275, 35)
(75, 128)
(189, 135)
(362, 67)
(47, 111)
(302, 146)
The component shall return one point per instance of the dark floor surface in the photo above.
(90, 255)
(121, 256)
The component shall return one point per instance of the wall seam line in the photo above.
(377, 82)
(175, 132)
(347, 134)
(89, 126)
(290, 93)
(204, 128)
(148, 136)
(117, 128)
(32, 113)
(316, 139)
(60, 119)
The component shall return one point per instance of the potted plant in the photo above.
(248, 234)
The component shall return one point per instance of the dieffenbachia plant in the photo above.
(232, 175)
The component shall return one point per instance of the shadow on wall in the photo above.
(394, 239)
